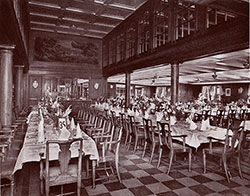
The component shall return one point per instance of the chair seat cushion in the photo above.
(219, 151)
(55, 177)
(109, 156)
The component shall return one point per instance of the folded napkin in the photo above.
(137, 113)
(78, 131)
(67, 111)
(72, 124)
(29, 116)
(205, 125)
(159, 116)
(65, 134)
(172, 120)
(130, 112)
(192, 125)
(41, 137)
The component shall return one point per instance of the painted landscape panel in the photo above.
(67, 51)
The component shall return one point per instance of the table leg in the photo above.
(93, 173)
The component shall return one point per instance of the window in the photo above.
(161, 24)
(131, 37)
(216, 16)
(112, 51)
(121, 47)
(185, 19)
(144, 32)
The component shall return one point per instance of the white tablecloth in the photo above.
(31, 148)
(196, 138)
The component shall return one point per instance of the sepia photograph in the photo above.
(124, 98)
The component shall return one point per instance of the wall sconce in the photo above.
(35, 84)
(214, 75)
(96, 86)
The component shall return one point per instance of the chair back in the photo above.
(231, 114)
(64, 156)
(148, 130)
(233, 143)
(116, 140)
(164, 134)
(122, 120)
(242, 114)
(206, 114)
(131, 122)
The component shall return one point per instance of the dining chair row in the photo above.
(11, 139)
(107, 137)
(160, 135)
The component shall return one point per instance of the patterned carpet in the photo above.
(139, 178)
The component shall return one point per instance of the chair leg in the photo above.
(152, 153)
(93, 173)
(204, 162)
(160, 153)
(224, 159)
(144, 148)
(126, 138)
(171, 156)
(12, 185)
(190, 160)
(47, 189)
(117, 168)
(238, 161)
(79, 187)
(129, 142)
(136, 142)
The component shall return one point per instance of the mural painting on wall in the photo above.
(68, 51)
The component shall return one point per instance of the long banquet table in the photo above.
(197, 137)
(31, 149)
(194, 137)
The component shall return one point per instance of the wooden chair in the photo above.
(166, 140)
(102, 134)
(109, 152)
(100, 127)
(125, 128)
(150, 137)
(231, 148)
(6, 169)
(136, 131)
(65, 172)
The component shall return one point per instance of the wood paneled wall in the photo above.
(48, 73)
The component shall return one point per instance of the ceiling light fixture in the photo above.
(246, 64)
(214, 75)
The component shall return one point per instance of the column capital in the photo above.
(19, 66)
(7, 47)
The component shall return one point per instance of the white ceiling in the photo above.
(228, 67)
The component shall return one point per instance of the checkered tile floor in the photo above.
(140, 178)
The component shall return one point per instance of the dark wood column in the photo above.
(174, 83)
(201, 18)
(6, 82)
(127, 91)
(19, 87)
(171, 21)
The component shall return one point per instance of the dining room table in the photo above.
(33, 148)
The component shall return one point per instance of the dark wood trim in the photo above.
(11, 25)
(227, 37)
